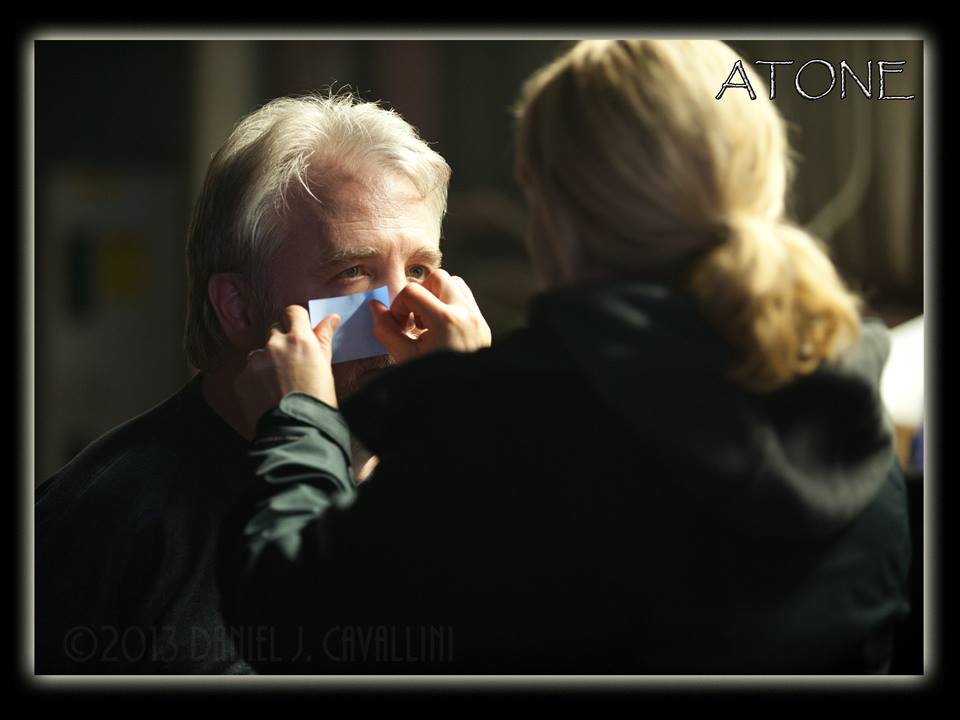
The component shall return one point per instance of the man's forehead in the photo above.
(365, 217)
(380, 228)
(345, 196)
(354, 236)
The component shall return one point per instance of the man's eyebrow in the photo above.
(430, 255)
(349, 254)
(425, 254)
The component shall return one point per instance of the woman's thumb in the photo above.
(326, 328)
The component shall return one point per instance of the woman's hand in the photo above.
(295, 359)
(445, 317)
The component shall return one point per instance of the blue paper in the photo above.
(353, 340)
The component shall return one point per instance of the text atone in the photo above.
(884, 68)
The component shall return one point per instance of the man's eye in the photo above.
(351, 273)
(419, 272)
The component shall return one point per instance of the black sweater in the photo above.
(126, 546)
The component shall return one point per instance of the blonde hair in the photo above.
(641, 172)
(292, 145)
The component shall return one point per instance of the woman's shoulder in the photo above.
(515, 369)
(523, 352)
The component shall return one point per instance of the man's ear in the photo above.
(232, 301)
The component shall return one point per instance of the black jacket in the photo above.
(588, 496)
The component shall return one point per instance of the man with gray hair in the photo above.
(309, 197)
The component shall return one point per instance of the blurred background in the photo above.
(124, 130)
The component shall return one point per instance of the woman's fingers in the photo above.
(392, 334)
(442, 285)
(448, 321)
(419, 300)
(465, 290)
(296, 358)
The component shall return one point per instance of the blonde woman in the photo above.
(681, 465)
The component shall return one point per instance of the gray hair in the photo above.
(280, 149)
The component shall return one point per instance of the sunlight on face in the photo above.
(368, 236)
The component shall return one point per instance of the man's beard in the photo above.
(351, 376)
(348, 378)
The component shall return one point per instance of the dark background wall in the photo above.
(124, 129)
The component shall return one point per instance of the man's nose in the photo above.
(396, 281)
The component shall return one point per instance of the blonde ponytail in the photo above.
(772, 292)
(639, 171)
